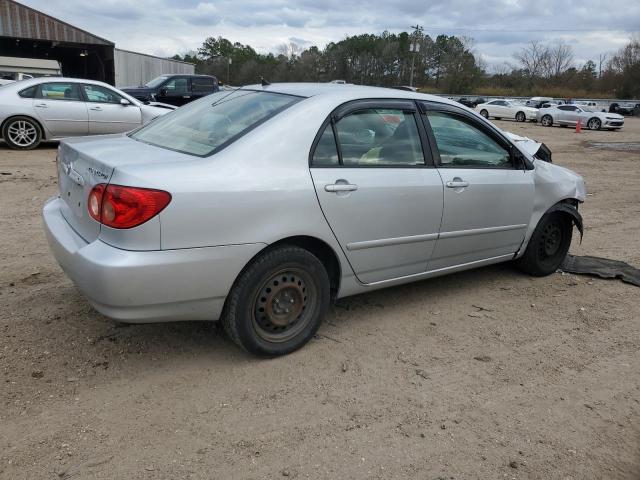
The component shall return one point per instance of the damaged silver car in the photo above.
(259, 206)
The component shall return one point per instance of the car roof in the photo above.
(348, 91)
(38, 80)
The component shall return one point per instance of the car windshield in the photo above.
(203, 127)
(155, 82)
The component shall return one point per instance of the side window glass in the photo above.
(326, 152)
(60, 91)
(176, 86)
(379, 137)
(99, 94)
(28, 92)
(461, 144)
(202, 84)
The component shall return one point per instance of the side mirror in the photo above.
(124, 102)
(163, 92)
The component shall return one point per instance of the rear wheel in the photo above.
(520, 117)
(22, 133)
(278, 302)
(548, 245)
(546, 121)
(594, 124)
(484, 113)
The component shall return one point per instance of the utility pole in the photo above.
(414, 48)
(601, 58)
(228, 68)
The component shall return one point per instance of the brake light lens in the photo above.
(118, 206)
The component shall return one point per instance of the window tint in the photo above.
(379, 137)
(28, 92)
(202, 84)
(461, 144)
(326, 152)
(60, 91)
(177, 86)
(201, 127)
(98, 94)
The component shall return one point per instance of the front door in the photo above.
(176, 91)
(107, 114)
(488, 200)
(378, 190)
(61, 108)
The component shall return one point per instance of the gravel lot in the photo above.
(485, 374)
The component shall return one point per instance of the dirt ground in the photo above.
(480, 375)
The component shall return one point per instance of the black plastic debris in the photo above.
(602, 267)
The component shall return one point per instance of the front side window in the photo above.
(176, 86)
(202, 127)
(156, 81)
(379, 137)
(60, 91)
(461, 144)
(98, 94)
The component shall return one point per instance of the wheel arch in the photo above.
(43, 131)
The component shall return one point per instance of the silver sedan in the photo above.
(570, 115)
(50, 108)
(260, 206)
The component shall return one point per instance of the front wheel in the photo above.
(546, 121)
(484, 113)
(278, 302)
(594, 124)
(548, 245)
(22, 133)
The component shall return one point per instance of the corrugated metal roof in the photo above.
(20, 21)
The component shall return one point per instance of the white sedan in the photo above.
(499, 109)
(50, 108)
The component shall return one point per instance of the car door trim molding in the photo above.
(480, 231)
(386, 242)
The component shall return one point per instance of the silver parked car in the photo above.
(262, 205)
(568, 115)
(50, 108)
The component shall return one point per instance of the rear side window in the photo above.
(208, 125)
(202, 84)
(60, 91)
(28, 92)
(326, 152)
(379, 137)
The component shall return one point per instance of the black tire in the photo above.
(22, 133)
(548, 245)
(484, 113)
(254, 317)
(498, 118)
(521, 117)
(594, 124)
(546, 121)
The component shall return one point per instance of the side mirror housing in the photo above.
(163, 91)
(124, 102)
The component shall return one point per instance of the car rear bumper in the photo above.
(146, 286)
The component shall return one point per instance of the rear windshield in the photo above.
(205, 126)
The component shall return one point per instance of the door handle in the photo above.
(186, 96)
(97, 109)
(42, 105)
(340, 187)
(457, 183)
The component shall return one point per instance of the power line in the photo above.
(533, 30)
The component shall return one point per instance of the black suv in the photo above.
(175, 89)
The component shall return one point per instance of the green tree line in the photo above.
(445, 64)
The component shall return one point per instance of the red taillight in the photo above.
(118, 206)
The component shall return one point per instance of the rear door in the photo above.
(62, 109)
(107, 114)
(378, 189)
(569, 114)
(488, 200)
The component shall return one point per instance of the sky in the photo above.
(498, 27)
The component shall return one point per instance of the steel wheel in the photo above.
(283, 305)
(22, 133)
(546, 121)
(594, 124)
(484, 113)
(548, 245)
(520, 117)
(550, 240)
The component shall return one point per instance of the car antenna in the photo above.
(264, 82)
